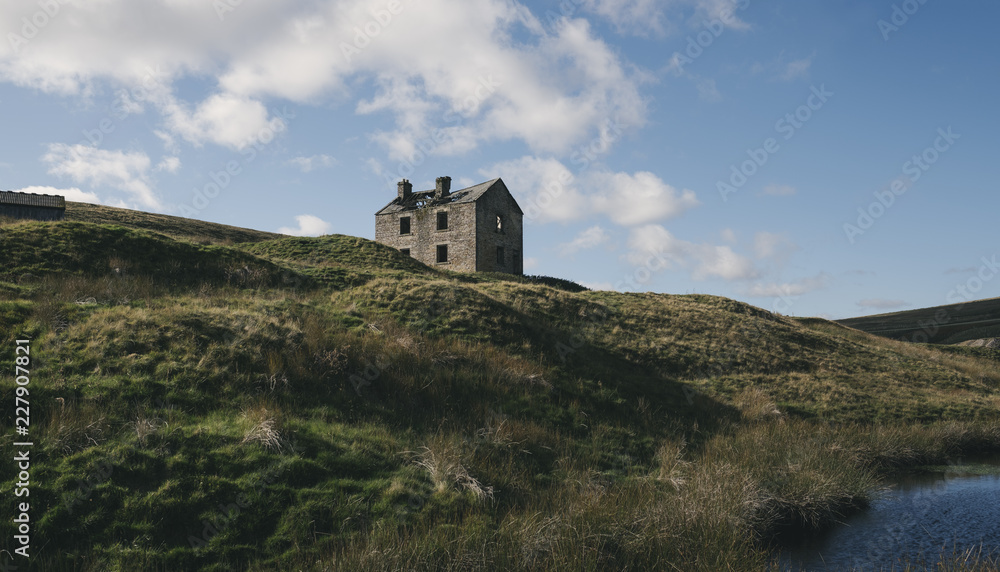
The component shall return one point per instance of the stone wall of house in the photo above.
(424, 238)
(495, 203)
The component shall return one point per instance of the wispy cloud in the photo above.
(125, 171)
(796, 69)
(703, 261)
(495, 88)
(796, 288)
(307, 164)
(590, 238)
(779, 190)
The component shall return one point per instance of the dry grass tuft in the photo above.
(146, 426)
(74, 427)
(756, 405)
(673, 468)
(264, 427)
(443, 464)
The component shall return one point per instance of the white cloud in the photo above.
(640, 17)
(548, 191)
(781, 69)
(306, 164)
(225, 119)
(169, 141)
(645, 17)
(169, 164)
(71, 194)
(798, 288)
(542, 185)
(309, 225)
(530, 263)
(639, 198)
(511, 79)
(779, 190)
(771, 245)
(796, 69)
(882, 304)
(726, 11)
(703, 261)
(729, 235)
(598, 286)
(708, 90)
(128, 172)
(590, 238)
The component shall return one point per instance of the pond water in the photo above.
(944, 511)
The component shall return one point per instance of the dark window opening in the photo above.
(442, 221)
(404, 225)
(405, 251)
(516, 262)
(500, 256)
(442, 253)
(499, 223)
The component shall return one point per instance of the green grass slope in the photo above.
(329, 404)
(176, 227)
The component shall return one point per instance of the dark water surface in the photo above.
(919, 517)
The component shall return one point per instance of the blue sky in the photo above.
(813, 158)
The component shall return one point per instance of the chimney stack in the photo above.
(443, 187)
(405, 189)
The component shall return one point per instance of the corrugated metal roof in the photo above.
(426, 198)
(32, 200)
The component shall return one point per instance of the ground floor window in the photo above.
(442, 253)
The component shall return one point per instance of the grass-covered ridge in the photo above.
(327, 403)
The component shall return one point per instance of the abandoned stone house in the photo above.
(32, 206)
(476, 229)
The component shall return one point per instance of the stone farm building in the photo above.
(32, 206)
(472, 229)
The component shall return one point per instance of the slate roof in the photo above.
(426, 198)
(32, 200)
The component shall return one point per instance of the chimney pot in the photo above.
(405, 189)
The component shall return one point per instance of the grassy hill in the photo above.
(211, 398)
(949, 324)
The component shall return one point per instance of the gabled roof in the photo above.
(32, 200)
(426, 198)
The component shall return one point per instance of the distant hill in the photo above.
(949, 324)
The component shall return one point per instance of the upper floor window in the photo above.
(404, 225)
(499, 223)
(443, 220)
